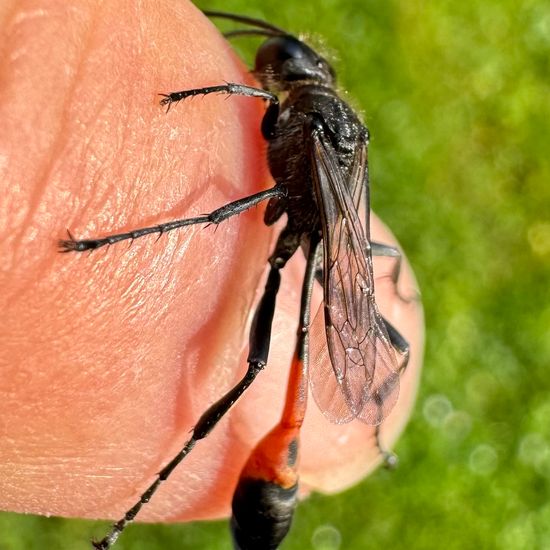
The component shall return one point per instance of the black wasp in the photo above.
(317, 154)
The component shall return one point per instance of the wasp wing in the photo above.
(365, 378)
(359, 182)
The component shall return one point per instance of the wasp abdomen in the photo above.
(262, 514)
(265, 497)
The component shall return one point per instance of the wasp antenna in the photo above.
(246, 20)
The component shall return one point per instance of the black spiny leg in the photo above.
(236, 207)
(271, 114)
(229, 88)
(217, 216)
(260, 336)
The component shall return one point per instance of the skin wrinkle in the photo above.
(59, 138)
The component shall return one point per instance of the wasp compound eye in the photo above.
(273, 52)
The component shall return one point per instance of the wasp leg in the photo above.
(377, 249)
(381, 249)
(217, 216)
(388, 251)
(230, 88)
(399, 344)
(265, 496)
(389, 458)
(402, 347)
(271, 115)
(260, 336)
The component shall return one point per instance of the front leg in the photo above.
(270, 117)
(229, 88)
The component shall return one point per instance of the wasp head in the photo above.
(283, 61)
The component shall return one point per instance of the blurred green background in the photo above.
(457, 99)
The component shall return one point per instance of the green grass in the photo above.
(457, 98)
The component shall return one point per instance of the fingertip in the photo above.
(107, 347)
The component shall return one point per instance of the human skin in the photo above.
(108, 358)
